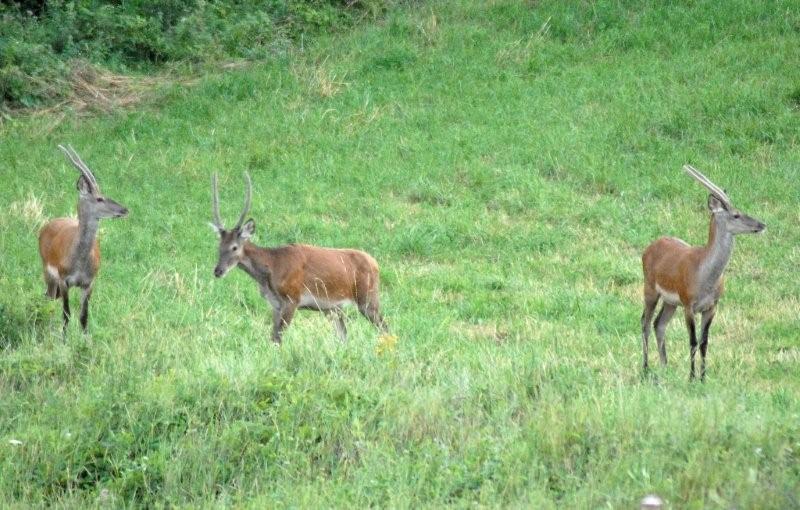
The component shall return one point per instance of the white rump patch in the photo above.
(668, 297)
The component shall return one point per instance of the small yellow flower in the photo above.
(386, 343)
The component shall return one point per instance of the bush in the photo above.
(37, 39)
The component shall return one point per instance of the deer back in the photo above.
(327, 275)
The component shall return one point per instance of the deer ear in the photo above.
(715, 205)
(248, 229)
(84, 188)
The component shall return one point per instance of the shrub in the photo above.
(38, 39)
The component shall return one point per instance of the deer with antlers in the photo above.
(298, 275)
(691, 276)
(68, 247)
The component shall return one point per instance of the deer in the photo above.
(68, 247)
(299, 276)
(691, 276)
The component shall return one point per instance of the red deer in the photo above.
(691, 276)
(298, 275)
(68, 247)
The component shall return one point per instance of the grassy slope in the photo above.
(506, 163)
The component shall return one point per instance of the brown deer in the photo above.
(68, 247)
(691, 276)
(298, 275)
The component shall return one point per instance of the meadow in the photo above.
(506, 162)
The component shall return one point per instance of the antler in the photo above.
(80, 165)
(215, 202)
(248, 194)
(713, 188)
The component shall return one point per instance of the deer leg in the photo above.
(650, 302)
(52, 290)
(86, 294)
(705, 325)
(660, 325)
(337, 317)
(276, 324)
(371, 310)
(281, 319)
(689, 315)
(65, 308)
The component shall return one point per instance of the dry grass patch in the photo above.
(91, 89)
(520, 51)
(177, 285)
(319, 79)
(428, 29)
(365, 117)
(785, 355)
(95, 89)
(30, 211)
(492, 331)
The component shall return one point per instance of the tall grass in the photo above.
(44, 44)
(506, 163)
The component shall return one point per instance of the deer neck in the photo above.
(88, 225)
(255, 262)
(718, 253)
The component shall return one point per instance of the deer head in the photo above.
(231, 242)
(91, 201)
(734, 220)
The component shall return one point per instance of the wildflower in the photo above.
(386, 343)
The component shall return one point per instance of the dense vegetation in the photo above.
(40, 40)
(506, 162)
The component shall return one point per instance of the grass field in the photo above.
(506, 162)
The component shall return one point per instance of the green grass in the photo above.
(52, 51)
(506, 162)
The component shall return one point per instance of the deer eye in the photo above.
(737, 216)
(101, 199)
(234, 248)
